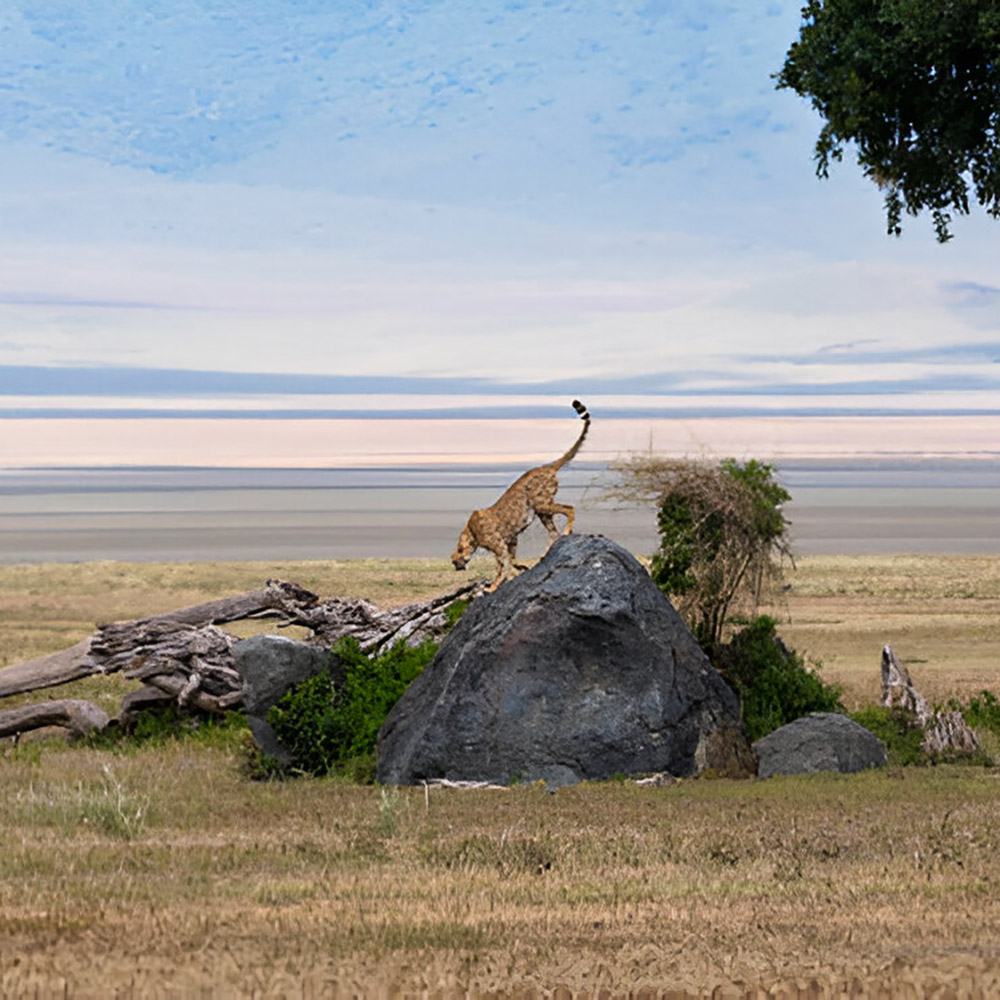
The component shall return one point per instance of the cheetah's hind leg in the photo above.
(547, 517)
(512, 550)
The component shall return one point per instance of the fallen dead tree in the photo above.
(185, 657)
(115, 646)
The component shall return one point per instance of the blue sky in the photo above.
(457, 197)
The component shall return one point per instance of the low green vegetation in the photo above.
(773, 683)
(903, 736)
(156, 727)
(332, 728)
(982, 712)
(898, 731)
(455, 610)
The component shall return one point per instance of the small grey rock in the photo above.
(270, 665)
(822, 741)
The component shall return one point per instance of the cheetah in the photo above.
(497, 527)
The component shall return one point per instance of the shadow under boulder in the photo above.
(577, 669)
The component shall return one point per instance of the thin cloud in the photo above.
(856, 354)
(54, 300)
(977, 304)
(849, 347)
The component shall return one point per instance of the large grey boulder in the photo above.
(270, 665)
(822, 741)
(577, 669)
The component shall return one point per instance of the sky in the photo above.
(374, 207)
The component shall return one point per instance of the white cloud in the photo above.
(454, 189)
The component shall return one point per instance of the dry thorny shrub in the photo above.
(723, 535)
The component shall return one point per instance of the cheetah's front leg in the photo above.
(504, 569)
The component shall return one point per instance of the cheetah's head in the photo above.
(463, 551)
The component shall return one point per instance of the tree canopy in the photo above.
(915, 85)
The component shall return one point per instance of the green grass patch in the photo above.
(898, 730)
(982, 712)
(158, 726)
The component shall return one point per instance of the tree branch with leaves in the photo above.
(915, 86)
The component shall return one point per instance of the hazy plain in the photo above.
(265, 441)
(847, 506)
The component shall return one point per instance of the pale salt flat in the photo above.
(351, 443)
(178, 514)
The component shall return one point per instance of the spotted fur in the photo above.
(497, 527)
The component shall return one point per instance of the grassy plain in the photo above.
(941, 614)
(163, 871)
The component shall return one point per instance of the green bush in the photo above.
(898, 730)
(304, 721)
(982, 712)
(334, 729)
(722, 534)
(772, 682)
(371, 689)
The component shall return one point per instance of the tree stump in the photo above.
(945, 731)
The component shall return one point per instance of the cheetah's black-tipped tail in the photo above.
(585, 417)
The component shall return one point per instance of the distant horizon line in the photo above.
(486, 414)
(888, 461)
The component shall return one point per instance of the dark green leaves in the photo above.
(914, 85)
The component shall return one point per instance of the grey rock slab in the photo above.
(577, 669)
(270, 665)
(822, 741)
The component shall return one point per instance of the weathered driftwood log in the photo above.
(187, 657)
(47, 671)
(278, 598)
(80, 716)
(283, 598)
(944, 730)
(375, 629)
(194, 664)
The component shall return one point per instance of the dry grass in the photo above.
(941, 614)
(165, 872)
